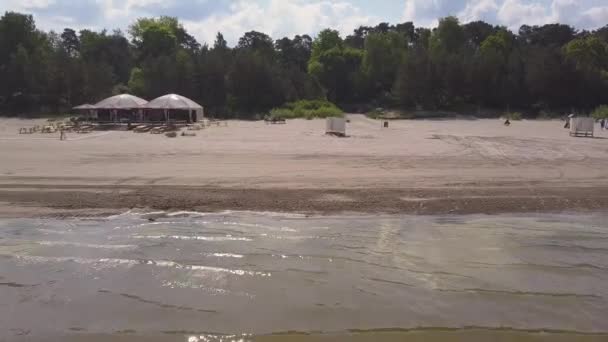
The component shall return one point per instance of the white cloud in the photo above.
(597, 15)
(25, 5)
(515, 13)
(422, 12)
(409, 13)
(204, 18)
(34, 4)
(112, 9)
(280, 18)
(476, 9)
(565, 10)
(63, 19)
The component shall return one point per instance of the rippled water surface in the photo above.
(195, 277)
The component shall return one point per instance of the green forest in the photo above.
(539, 70)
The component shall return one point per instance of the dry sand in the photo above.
(429, 166)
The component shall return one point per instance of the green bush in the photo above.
(600, 112)
(282, 113)
(545, 115)
(307, 109)
(516, 116)
(375, 114)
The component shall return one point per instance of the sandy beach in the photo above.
(429, 167)
(224, 241)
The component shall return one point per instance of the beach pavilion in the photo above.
(87, 109)
(123, 107)
(173, 107)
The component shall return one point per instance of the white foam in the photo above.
(227, 255)
(193, 237)
(52, 231)
(86, 245)
(262, 213)
(185, 212)
(258, 225)
(110, 262)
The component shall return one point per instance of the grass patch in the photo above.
(307, 109)
(600, 112)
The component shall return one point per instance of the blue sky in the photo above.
(204, 18)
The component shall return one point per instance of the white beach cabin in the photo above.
(335, 126)
(581, 126)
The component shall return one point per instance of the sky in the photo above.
(279, 18)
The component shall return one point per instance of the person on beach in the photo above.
(603, 124)
(507, 123)
(62, 135)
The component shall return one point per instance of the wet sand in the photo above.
(277, 276)
(426, 167)
(26, 200)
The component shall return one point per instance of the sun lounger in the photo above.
(195, 127)
(275, 121)
(162, 129)
(24, 130)
(142, 129)
(48, 129)
(213, 122)
(84, 129)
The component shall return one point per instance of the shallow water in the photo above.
(198, 277)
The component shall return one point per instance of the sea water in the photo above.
(233, 276)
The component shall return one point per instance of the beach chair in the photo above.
(156, 130)
(84, 129)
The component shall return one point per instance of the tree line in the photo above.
(540, 69)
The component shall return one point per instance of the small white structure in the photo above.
(581, 126)
(335, 126)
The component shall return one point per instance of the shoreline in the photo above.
(415, 334)
(43, 200)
